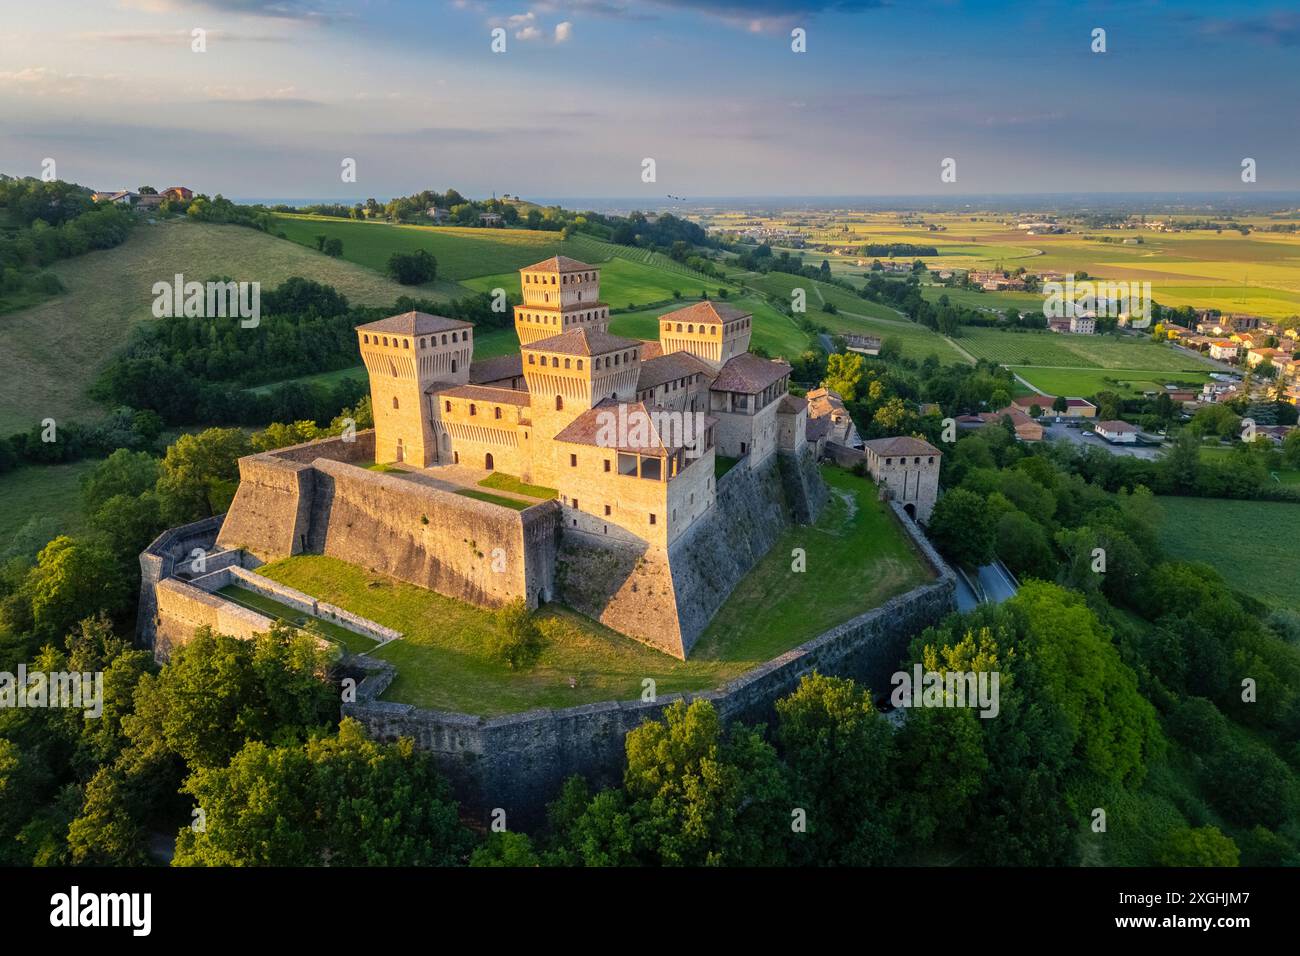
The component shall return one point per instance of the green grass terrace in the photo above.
(857, 557)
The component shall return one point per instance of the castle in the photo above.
(626, 431)
(635, 481)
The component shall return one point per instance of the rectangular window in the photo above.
(652, 518)
(573, 461)
(651, 468)
(607, 511)
(626, 464)
(607, 464)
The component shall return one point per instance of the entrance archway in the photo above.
(911, 510)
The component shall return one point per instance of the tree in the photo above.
(73, 579)
(840, 752)
(505, 849)
(1060, 405)
(413, 268)
(333, 247)
(123, 472)
(341, 800)
(843, 374)
(963, 528)
(1199, 846)
(199, 472)
(516, 638)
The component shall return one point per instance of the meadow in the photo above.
(624, 283)
(1239, 539)
(49, 494)
(54, 350)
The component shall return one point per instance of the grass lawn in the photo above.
(1285, 476)
(354, 642)
(1251, 543)
(50, 494)
(502, 500)
(857, 557)
(772, 331)
(53, 350)
(503, 482)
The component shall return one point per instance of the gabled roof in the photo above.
(668, 368)
(707, 313)
(415, 323)
(791, 404)
(558, 264)
(1115, 426)
(901, 445)
(749, 374)
(582, 342)
(596, 428)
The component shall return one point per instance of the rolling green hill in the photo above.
(54, 349)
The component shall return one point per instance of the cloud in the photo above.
(563, 31)
(299, 10)
(177, 38)
(284, 98)
(43, 81)
(528, 33)
(1271, 29)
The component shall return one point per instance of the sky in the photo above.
(711, 90)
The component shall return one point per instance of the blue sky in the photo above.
(709, 88)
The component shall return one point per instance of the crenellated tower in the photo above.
(712, 331)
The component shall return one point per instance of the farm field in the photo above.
(462, 252)
(54, 350)
(48, 493)
(781, 284)
(985, 301)
(1237, 538)
(1062, 350)
(624, 283)
(773, 331)
(1125, 382)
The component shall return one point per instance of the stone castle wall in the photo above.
(517, 762)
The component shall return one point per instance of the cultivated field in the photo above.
(54, 350)
(1238, 539)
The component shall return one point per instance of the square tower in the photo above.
(713, 331)
(404, 356)
(568, 374)
(560, 294)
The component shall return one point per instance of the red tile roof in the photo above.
(582, 342)
(415, 323)
(706, 313)
(749, 374)
(558, 264)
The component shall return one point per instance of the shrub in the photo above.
(516, 639)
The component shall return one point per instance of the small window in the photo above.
(607, 464)
(496, 411)
(394, 401)
(473, 409)
(608, 510)
(559, 403)
(446, 406)
(573, 461)
(889, 461)
(652, 517)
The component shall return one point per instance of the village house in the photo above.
(825, 404)
(1116, 432)
(1225, 350)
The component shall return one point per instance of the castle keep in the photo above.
(641, 534)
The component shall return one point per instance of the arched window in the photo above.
(446, 406)
(444, 338)
(422, 343)
(579, 365)
(394, 401)
(473, 409)
(496, 412)
(566, 363)
(690, 328)
(530, 359)
(679, 326)
(559, 403)
(365, 338)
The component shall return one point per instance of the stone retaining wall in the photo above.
(517, 762)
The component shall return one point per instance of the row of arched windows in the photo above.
(367, 339)
(690, 327)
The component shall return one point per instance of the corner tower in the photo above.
(560, 294)
(712, 331)
(405, 355)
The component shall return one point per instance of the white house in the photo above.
(1116, 432)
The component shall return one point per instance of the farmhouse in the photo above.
(1225, 350)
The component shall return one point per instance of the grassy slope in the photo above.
(442, 660)
(45, 491)
(54, 350)
(1251, 543)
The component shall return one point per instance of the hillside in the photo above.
(54, 349)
